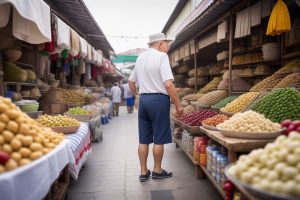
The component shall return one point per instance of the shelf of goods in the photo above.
(22, 183)
(198, 172)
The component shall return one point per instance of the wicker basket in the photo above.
(81, 118)
(12, 55)
(66, 129)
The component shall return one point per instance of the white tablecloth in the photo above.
(80, 144)
(32, 182)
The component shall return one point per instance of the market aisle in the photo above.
(113, 171)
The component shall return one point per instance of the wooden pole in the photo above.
(195, 63)
(230, 53)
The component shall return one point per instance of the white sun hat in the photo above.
(159, 37)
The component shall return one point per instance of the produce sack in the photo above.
(96, 128)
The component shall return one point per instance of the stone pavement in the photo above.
(112, 173)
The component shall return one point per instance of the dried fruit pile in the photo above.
(22, 139)
(196, 118)
(212, 97)
(59, 120)
(280, 104)
(215, 120)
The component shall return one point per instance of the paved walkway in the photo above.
(112, 173)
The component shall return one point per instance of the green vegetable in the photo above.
(224, 102)
(280, 104)
(77, 111)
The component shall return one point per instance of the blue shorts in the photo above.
(154, 119)
(130, 101)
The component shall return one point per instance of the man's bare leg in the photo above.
(143, 155)
(158, 152)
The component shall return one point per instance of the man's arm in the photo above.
(133, 88)
(174, 96)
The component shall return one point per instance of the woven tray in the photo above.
(81, 118)
(66, 129)
(254, 136)
(193, 129)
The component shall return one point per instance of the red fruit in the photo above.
(291, 128)
(228, 186)
(286, 123)
(4, 157)
(296, 123)
(298, 129)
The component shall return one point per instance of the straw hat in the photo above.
(158, 37)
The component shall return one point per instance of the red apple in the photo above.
(4, 157)
(298, 129)
(296, 123)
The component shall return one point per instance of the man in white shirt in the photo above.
(115, 92)
(129, 98)
(153, 74)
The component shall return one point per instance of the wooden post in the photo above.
(230, 53)
(195, 63)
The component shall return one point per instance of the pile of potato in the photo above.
(72, 97)
(22, 139)
(290, 80)
(274, 169)
(57, 121)
(239, 103)
(212, 97)
(249, 122)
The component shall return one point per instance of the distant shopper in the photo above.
(153, 74)
(116, 93)
(129, 98)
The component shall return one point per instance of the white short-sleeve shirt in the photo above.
(116, 94)
(127, 91)
(152, 69)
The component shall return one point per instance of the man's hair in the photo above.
(116, 84)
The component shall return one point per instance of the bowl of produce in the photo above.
(251, 135)
(271, 173)
(28, 105)
(212, 128)
(59, 123)
(79, 114)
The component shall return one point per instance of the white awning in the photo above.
(31, 20)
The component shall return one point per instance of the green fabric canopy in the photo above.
(123, 59)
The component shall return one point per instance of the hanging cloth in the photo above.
(88, 58)
(88, 71)
(242, 27)
(255, 14)
(63, 35)
(293, 37)
(83, 47)
(222, 30)
(94, 55)
(4, 14)
(94, 71)
(279, 20)
(74, 43)
(31, 20)
(81, 66)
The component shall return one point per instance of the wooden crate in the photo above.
(187, 51)
(176, 56)
(54, 109)
(181, 53)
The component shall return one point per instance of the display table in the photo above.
(32, 181)
(80, 145)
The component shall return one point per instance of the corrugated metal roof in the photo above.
(211, 14)
(180, 5)
(77, 15)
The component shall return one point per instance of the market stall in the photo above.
(232, 66)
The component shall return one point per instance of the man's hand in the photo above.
(179, 110)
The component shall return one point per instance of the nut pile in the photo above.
(196, 118)
(224, 102)
(280, 104)
(290, 80)
(215, 120)
(57, 121)
(249, 122)
(267, 83)
(239, 103)
(188, 109)
(211, 85)
(72, 97)
(184, 91)
(288, 68)
(212, 97)
(193, 97)
(274, 169)
(22, 140)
